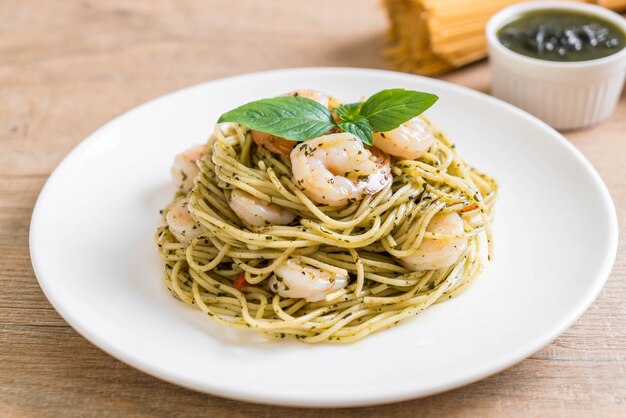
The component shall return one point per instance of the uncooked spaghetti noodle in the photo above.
(361, 240)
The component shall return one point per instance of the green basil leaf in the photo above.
(349, 112)
(290, 117)
(388, 109)
(360, 128)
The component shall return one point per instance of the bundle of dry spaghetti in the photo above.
(432, 36)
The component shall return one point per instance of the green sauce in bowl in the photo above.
(562, 35)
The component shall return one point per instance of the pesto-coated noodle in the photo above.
(360, 241)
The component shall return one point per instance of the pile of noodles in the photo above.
(363, 239)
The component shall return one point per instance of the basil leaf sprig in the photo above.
(291, 117)
(298, 119)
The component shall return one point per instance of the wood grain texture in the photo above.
(68, 67)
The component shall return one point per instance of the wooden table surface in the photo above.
(67, 67)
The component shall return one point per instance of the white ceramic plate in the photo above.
(92, 251)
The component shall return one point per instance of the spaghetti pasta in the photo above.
(228, 270)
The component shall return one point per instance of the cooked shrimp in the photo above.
(316, 96)
(273, 143)
(295, 280)
(282, 146)
(181, 223)
(185, 169)
(258, 212)
(335, 168)
(434, 253)
(410, 140)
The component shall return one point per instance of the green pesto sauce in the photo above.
(562, 35)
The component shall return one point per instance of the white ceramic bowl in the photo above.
(105, 278)
(566, 95)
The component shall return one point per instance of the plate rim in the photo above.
(514, 357)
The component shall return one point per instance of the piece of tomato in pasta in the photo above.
(240, 281)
